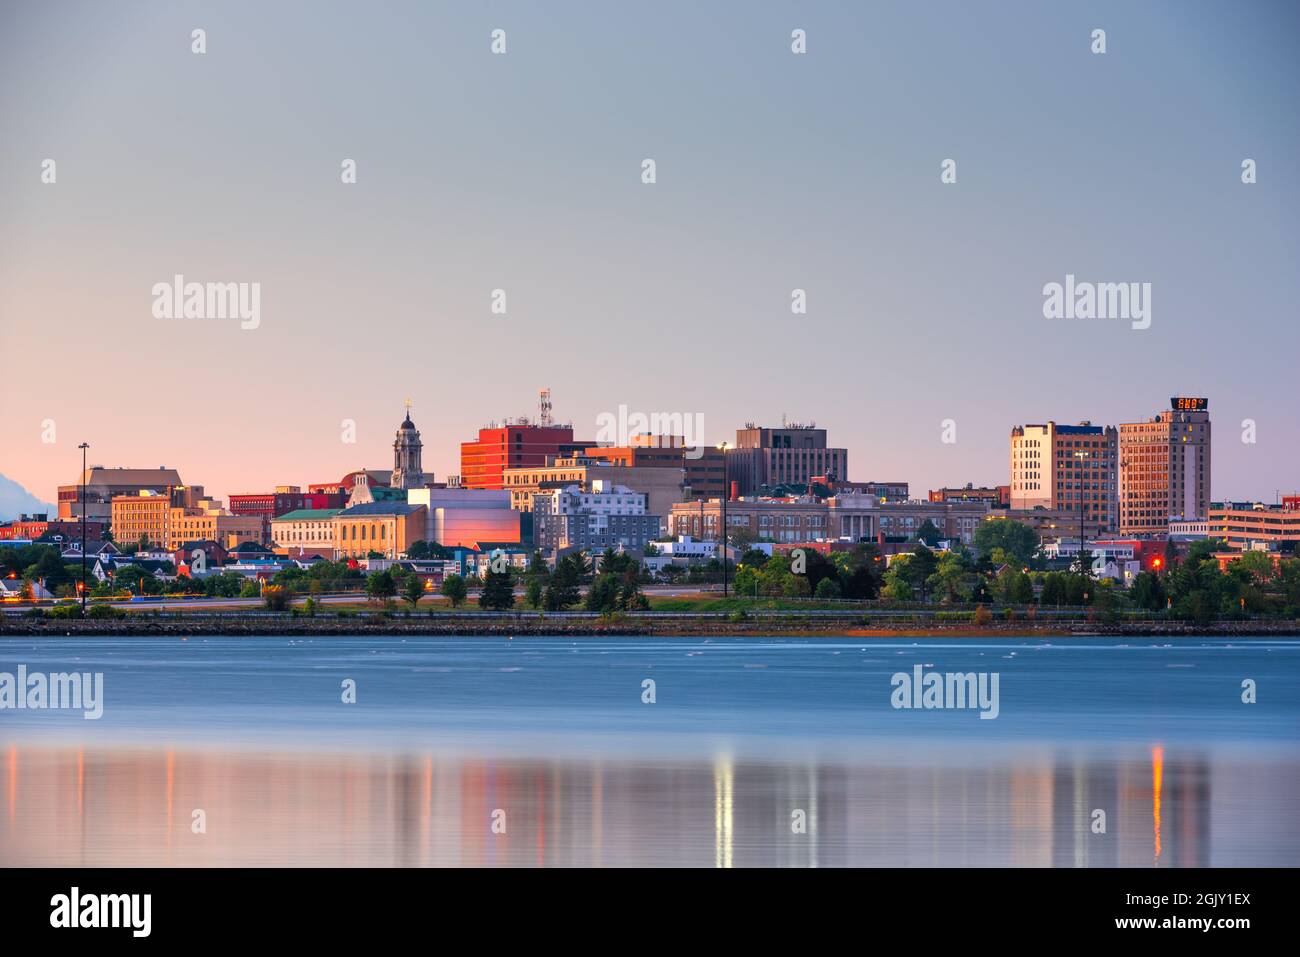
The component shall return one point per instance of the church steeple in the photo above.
(407, 471)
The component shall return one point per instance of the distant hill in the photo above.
(16, 500)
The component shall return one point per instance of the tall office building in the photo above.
(1164, 468)
(790, 455)
(514, 445)
(1068, 469)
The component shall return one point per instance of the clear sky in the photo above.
(522, 172)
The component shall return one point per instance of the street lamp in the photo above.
(83, 446)
(726, 491)
(1081, 455)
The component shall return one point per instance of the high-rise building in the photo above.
(1066, 468)
(790, 455)
(1164, 468)
(514, 445)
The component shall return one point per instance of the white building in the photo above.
(463, 517)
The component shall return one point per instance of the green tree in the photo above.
(413, 590)
(603, 594)
(1019, 543)
(454, 590)
(897, 580)
(498, 592)
(381, 586)
(827, 588)
(1147, 592)
(533, 593)
(563, 588)
(630, 597)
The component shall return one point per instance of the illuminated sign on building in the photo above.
(1182, 403)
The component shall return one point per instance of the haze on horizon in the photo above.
(522, 172)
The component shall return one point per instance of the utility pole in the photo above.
(726, 492)
(83, 446)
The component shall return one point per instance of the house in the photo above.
(107, 568)
(12, 590)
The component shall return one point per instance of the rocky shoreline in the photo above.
(509, 626)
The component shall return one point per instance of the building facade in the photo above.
(1164, 468)
(103, 485)
(604, 516)
(462, 517)
(798, 519)
(997, 496)
(1066, 468)
(306, 531)
(1245, 525)
(790, 455)
(702, 465)
(387, 528)
(514, 445)
(663, 485)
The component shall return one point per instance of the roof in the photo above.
(246, 548)
(98, 475)
(378, 508)
(308, 515)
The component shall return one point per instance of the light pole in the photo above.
(1082, 456)
(726, 492)
(83, 446)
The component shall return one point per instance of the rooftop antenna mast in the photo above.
(544, 406)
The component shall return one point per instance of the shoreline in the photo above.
(142, 626)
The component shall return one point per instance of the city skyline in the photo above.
(776, 172)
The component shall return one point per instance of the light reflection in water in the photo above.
(83, 806)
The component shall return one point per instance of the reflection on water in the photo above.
(82, 806)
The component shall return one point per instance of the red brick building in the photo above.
(483, 462)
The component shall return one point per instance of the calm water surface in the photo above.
(542, 752)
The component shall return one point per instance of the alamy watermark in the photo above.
(36, 691)
(928, 690)
(179, 299)
(1098, 300)
(684, 430)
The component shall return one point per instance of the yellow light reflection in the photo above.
(1157, 773)
(723, 782)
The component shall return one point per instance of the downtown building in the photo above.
(664, 485)
(702, 466)
(1068, 470)
(1164, 468)
(605, 516)
(103, 484)
(791, 455)
(849, 517)
(176, 516)
(515, 445)
(1254, 525)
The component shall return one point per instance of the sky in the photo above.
(775, 171)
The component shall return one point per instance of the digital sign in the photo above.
(1182, 403)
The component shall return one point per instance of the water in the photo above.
(544, 752)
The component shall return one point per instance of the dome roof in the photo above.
(407, 423)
